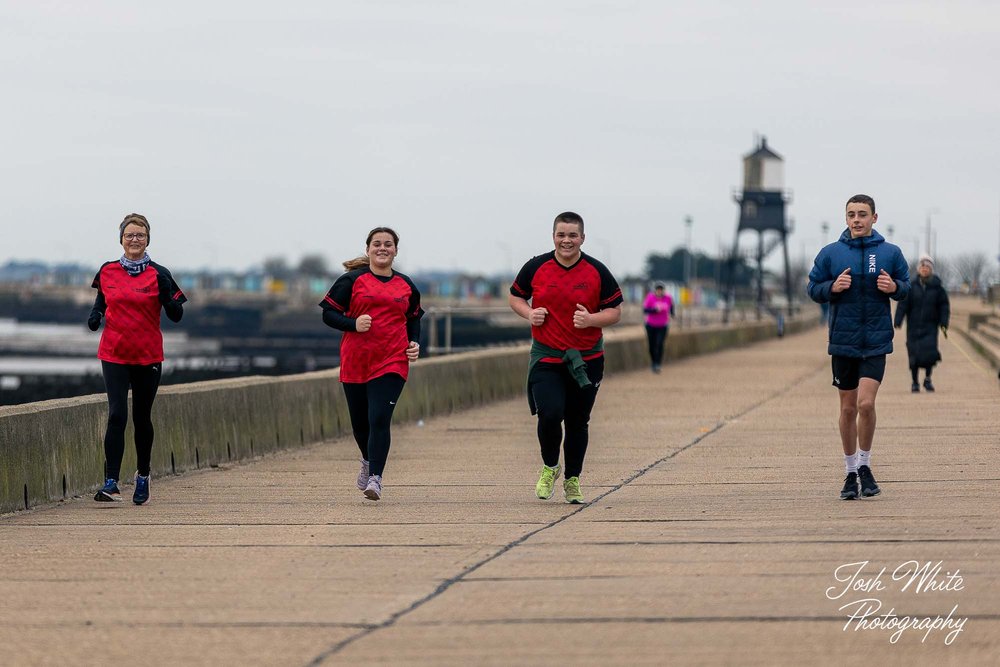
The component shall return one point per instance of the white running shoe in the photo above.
(373, 491)
(363, 476)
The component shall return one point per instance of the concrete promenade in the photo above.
(713, 535)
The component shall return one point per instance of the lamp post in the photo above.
(687, 253)
(927, 243)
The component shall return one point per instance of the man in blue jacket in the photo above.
(857, 276)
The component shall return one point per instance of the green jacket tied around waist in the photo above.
(572, 357)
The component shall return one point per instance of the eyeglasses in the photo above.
(136, 236)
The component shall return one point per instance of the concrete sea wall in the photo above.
(52, 450)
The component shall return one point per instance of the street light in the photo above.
(687, 255)
(927, 246)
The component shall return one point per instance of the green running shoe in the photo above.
(571, 487)
(547, 482)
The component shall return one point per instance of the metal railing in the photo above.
(439, 320)
(438, 317)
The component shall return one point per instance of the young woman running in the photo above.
(131, 291)
(378, 309)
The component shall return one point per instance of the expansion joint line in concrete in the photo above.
(448, 583)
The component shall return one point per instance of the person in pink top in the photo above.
(658, 306)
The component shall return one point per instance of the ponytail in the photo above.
(356, 263)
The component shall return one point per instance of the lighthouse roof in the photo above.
(763, 151)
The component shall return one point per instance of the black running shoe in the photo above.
(928, 385)
(850, 491)
(109, 493)
(915, 388)
(868, 486)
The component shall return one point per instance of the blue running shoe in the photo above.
(109, 493)
(141, 494)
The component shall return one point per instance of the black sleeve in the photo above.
(339, 321)
(901, 309)
(611, 293)
(945, 305)
(174, 311)
(413, 313)
(337, 302)
(521, 287)
(97, 312)
(413, 330)
(170, 291)
(100, 305)
(171, 295)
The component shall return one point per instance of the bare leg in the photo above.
(849, 421)
(867, 390)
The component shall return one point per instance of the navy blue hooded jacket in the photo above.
(860, 317)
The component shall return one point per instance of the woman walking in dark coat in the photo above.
(926, 309)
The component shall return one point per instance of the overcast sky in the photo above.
(244, 130)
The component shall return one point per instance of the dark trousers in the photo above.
(370, 405)
(914, 369)
(656, 336)
(144, 381)
(560, 400)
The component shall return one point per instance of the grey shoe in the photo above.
(363, 476)
(373, 491)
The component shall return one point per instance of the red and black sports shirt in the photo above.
(393, 302)
(557, 288)
(132, 315)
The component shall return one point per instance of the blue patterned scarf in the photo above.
(135, 266)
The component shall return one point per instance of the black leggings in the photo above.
(558, 399)
(370, 405)
(656, 336)
(144, 381)
(914, 369)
